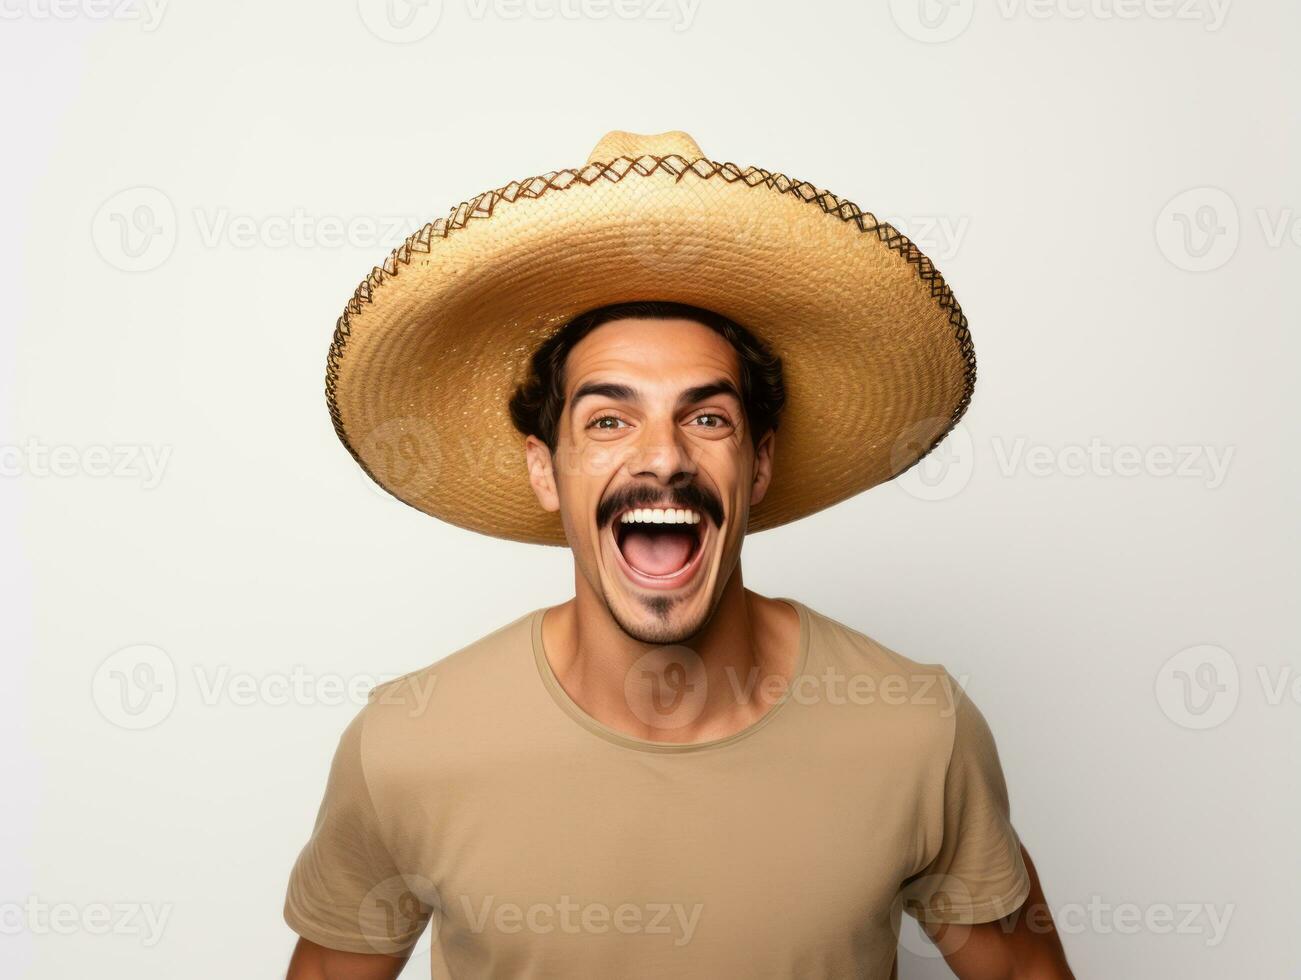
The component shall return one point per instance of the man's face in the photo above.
(653, 421)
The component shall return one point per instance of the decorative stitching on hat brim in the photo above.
(483, 206)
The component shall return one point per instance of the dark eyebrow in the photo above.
(625, 393)
(699, 393)
(606, 389)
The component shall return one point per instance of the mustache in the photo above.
(691, 497)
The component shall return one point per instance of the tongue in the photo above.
(657, 552)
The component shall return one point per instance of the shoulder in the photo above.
(489, 656)
(918, 701)
(467, 687)
(845, 648)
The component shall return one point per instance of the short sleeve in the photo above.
(345, 892)
(978, 874)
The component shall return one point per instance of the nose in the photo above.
(663, 453)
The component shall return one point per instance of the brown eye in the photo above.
(596, 423)
(710, 415)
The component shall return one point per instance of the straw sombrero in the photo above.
(878, 362)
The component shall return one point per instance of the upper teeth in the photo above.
(660, 516)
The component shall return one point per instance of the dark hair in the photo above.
(538, 402)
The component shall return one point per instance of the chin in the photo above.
(655, 619)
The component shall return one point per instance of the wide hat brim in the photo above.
(878, 362)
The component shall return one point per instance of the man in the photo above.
(668, 775)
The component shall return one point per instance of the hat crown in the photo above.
(619, 143)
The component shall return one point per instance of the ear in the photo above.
(541, 474)
(763, 454)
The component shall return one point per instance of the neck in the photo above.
(713, 684)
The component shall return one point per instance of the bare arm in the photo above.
(1022, 945)
(313, 962)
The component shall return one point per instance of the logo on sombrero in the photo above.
(932, 21)
(1198, 229)
(400, 21)
(135, 229)
(941, 473)
(666, 687)
(661, 230)
(403, 454)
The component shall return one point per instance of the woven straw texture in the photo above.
(879, 364)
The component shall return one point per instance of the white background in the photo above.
(1109, 186)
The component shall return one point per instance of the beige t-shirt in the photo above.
(475, 793)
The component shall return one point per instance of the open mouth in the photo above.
(660, 548)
